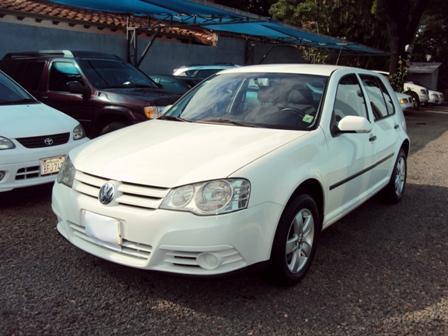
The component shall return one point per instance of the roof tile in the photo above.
(117, 21)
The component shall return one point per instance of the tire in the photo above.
(112, 126)
(288, 269)
(415, 100)
(394, 191)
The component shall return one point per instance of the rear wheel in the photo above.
(295, 241)
(394, 191)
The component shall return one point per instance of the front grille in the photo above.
(129, 194)
(44, 140)
(28, 173)
(127, 247)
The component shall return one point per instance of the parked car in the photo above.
(200, 72)
(34, 138)
(435, 97)
(173, 84)
(100, 90)
(406, 101)
(418, 92)
(248, 167)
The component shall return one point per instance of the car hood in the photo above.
(171, 153)
(141, 95)
(18, 121)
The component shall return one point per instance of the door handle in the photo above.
(396, 126)
(372, 138)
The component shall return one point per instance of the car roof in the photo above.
(70, 54)
(308, 69)
(205, 67)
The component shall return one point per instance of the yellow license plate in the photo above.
(51, 165)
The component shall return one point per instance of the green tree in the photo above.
(402, 19)
(384, 24)
(432, 38)
(259, 7)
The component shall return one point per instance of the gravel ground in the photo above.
(382, 270)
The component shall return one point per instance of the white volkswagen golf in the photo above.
(248, 167)
(34, 138)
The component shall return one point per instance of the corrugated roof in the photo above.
(218, 18)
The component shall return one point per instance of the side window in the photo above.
(349, 100)
(30, 78)
(206, 73)
(61, 73)
(380, 100)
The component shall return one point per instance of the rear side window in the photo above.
(380, 100)
(30, 78)
(206, 73)
(26, 73)
(61, 73)
(349, 100)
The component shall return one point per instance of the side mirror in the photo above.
(354, 124)
(77, 87)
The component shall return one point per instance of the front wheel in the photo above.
(295, 241)
(394, 191)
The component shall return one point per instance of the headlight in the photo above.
(78, 132)
(152, 112)
(403, 101)
(5, 143)
(210, 197)
(67, 173)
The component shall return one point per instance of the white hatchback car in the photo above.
(248, 167)
(34, 138)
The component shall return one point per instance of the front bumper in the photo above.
(22, 165)
(172, 241)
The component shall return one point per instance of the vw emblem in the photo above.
(48, 141)
(107, 193)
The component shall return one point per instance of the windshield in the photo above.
(11, 93)
(107, 74)
(274, 100)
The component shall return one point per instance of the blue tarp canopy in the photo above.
(221, 19)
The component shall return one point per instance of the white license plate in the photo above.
(105, 230)
(51, 165)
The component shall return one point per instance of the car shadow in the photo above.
(23, 197)
(379, 262)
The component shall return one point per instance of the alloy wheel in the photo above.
(300, 241)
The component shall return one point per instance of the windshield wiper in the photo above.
(173, 118)
(225, 121)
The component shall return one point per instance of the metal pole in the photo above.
(339, 55)
(148, 46)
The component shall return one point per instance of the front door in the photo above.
(58, 95)
(350, 155)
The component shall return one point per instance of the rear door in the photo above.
(385, 126)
